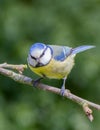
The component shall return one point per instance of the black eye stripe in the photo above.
(44, 52)
(33, 57)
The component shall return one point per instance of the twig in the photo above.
(88, 111)
(29, 81)
(19, 68)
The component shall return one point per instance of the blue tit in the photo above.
(52, 61)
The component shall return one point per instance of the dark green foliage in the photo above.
(62, 22)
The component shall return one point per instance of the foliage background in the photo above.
(61, 22)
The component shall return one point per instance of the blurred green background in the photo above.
(60, 22)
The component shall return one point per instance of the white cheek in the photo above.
(46, 57)
(31, 61)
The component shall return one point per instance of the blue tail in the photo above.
(81, 49)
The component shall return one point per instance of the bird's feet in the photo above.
(62, 91)
(35, 82)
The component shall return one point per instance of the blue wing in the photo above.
(60, 53)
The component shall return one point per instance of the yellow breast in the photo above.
(55, 69)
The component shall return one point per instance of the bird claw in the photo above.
(35, 82)
(62, 91)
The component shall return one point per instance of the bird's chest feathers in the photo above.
(55, 69)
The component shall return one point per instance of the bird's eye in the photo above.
(33, 57)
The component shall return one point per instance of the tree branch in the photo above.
(29, 81)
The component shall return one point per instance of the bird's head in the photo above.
(39, 55)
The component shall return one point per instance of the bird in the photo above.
(53, 61)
